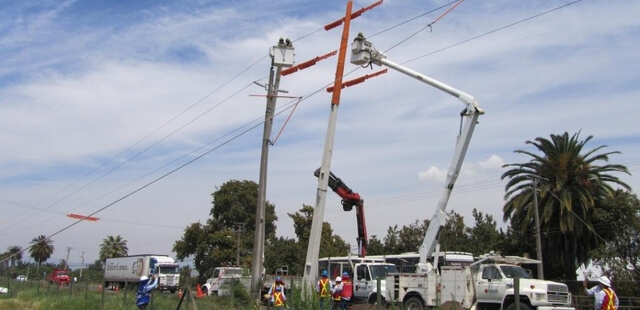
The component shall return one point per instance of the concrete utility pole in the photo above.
(237, 229)
(537, 219)
(281, 56)
(81, 264)
(67, 260)
(313, 250)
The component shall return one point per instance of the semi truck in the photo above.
(128, 270)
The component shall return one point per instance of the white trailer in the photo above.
(127, 270)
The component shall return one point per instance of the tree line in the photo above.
(587, 215)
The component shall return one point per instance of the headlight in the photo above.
(540, 296)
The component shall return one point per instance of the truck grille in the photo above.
(558, 294)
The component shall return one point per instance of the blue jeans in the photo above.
(344, 303)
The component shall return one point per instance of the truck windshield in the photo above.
(514, 271)
(381, 271)
(169, 270)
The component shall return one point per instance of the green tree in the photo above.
(330, 244)
(15, 255)
(375, 246)
(113, 247)
(233, 215)
(484, 236)
(283, 251)
(41, 249)
(618, 222)
(454, 235)
(569, 185)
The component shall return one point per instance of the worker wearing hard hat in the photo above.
(335, 293)
(605, 297)
(345, 289)
(278, 299)
(323, 287)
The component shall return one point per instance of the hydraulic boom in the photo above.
(363, 54)
(350, 200)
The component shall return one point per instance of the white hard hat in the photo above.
(338, 279)
(604, 280)
(144, 278)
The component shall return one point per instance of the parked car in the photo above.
(21, 278)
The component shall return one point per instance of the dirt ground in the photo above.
(363, 307)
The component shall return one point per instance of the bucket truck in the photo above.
(483, 284)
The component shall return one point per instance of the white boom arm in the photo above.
(363, 53)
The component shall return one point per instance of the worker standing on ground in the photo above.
(278, 299)
(335, 293)
(324, 290)
(346, 291)
(144, 291)
(606, 298)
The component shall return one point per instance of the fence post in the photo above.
(516, 292)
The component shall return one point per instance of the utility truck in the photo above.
(222, 277)
(485, 283)
(128, 270)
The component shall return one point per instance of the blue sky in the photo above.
(98, 98)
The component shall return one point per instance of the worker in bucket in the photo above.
(323, 288)
(605, 297)
(144, 291)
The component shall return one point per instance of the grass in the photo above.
(37, 295)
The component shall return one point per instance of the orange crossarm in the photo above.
(359, 80)
(353, 15)
(82, 217)
(307, 63)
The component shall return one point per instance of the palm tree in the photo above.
(41, 249)
(15, 255)
(569, 186)
(113, 247)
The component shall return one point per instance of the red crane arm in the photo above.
(350, 200)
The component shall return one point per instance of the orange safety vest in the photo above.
(324, 287)
(347, 289)
(277, 299)
(608, 303)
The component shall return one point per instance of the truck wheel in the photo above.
(414, 303)
(205, 291)
(523, 306)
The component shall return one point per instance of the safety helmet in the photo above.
(278, 279)
(345, 275)
(144, 278)
(604, 280)
(324, 273)
(338, 279)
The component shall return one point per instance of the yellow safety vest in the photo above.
(324, 288)
(608, 303)
(278, 302)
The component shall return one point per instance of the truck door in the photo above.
(362, 281)
(489, 284)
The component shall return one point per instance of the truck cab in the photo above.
(59, 277)
(494, 283)
(365, 283)
(220, 275)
